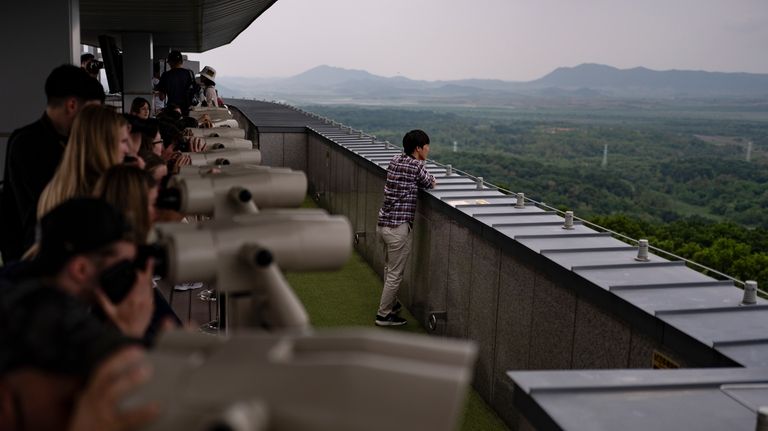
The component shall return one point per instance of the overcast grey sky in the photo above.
(515, 40)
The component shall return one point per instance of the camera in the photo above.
(94, 66)
(117, 280)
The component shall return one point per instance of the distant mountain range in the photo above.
(326, 84)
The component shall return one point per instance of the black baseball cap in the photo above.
(78, 226)
(44, 328)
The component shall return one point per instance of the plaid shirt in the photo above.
(405, 176)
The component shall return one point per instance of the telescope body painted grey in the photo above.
(245, 169)
(302, 242)
(216, 157)
(638, 400)
(215, 114)
(225, 252)
(339, 380)
(226, 122)
(210, 193)
(222, 132)
(236, 169)
(215, 143)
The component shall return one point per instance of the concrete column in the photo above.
(137, 67)
(52, 29)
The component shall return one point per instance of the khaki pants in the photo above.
(397, 242)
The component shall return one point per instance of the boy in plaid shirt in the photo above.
(406, 174)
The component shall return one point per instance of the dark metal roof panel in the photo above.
(633, 400)
(186, 25)
(693, 296)
(716, 325)
(641, 274)
(585, 256)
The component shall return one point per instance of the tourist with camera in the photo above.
(90, 65)
(63, 369)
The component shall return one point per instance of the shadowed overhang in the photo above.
(186, 25)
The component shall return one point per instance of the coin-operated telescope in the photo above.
(227, 143)
(219, 114)
(239, 169)
(243, 257)
(217, 132)
(225, 157)
(234, 190)
(342, 380)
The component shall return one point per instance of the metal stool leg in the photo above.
(189, 306)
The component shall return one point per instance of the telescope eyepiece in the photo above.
(244, 195)
(263, 257)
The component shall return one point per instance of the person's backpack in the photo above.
(193, 90)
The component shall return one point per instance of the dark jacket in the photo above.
(32, 156)
(179, 86)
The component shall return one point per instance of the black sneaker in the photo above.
(391, 320)
(397, 307)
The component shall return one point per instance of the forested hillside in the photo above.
(676, 175)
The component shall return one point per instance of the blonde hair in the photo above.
(126, 188)
(93, 147)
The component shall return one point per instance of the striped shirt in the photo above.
(405, 176)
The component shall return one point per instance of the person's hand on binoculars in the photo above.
(119, 375)
(196, 144)
(134, 313)
(179, 160)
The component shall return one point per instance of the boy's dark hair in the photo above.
(414, 139)
(68, 81)
(174, 58)
(138, 102)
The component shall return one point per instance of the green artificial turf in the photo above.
(350, 297)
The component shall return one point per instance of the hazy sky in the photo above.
(516, 40)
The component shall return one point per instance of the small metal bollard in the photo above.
(642, 251)
(434, 317)
(750, 293)
(568, 225)
(520, 201)
(479, 183)
(448, 170)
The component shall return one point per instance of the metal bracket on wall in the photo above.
(434, 317)
(359, 235)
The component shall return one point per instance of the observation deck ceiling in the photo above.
(186, 25)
